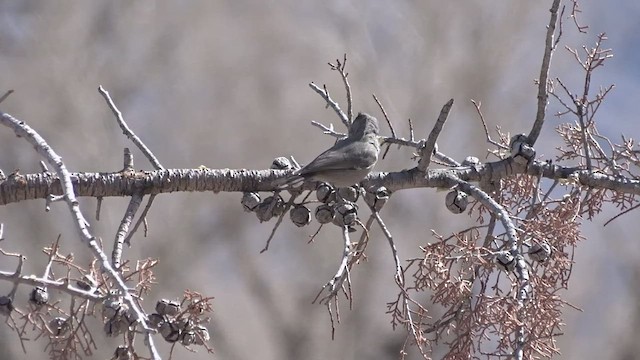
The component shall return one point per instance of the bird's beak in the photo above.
(380, 139)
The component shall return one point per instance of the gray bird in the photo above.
(348, 161)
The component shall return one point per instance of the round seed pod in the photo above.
(6, 305)
(58, 326)
(470, 161)
(168, 307)
(281, 163)
(155, 320)
(324, 214)
(115, 326)
(170, 331)
(300, 215)
(122, 353)
(521, 151)
(376, 198)
(250, 201)
(188, 338)
(506, 261)
(540, 252)
(346, 214)
(457, 201)
(349, 193)
(39, 296)
(280, 205)
(86, 283)
(111, 307)
(266, 210)
(202, 334)
(325, 193)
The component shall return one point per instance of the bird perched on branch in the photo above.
(347, 162)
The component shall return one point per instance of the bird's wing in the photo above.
(342, 156)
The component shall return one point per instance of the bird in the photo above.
(349, 160)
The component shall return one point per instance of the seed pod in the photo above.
(155, 320)
(266, 210)
(324, 214)
(250, 201)
(188, 337)
(202, 334)
(470, 161)
(281, 163)
(122, 353)
(116, 326)
(540, 252)
(39, 296)
(168, 307)
(170, 331)
(506, 261)
(300, 215)
(111, 307)
(521, 151)
(349, 193)
(6, 305)
(456, 201)
(376, 198)
(58, 326)
(325, 193)
(346, 214)
(86, 283)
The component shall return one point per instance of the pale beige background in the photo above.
(224, 84)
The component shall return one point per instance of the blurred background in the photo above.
(225, 84)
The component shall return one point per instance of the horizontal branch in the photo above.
(18, 187)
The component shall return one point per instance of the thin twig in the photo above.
(6, 95)
(341, 67)
(328, 130)
(386, 117)
(141, 220)
(477, 105)
(334, 105)
(128, 132)
(23, 130)
(335, 284)
(429, 146)
(123, 228)
(622, 213)
(543, 94)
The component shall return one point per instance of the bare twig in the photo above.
(544, 74)
(429, 146)
(328, 130)
(141, 220)
(6, 95)
(335, 284)
(622, 213)
(477, 105)
(23, 130)
(123, 228)
(334, 105)
(386, 117)
(574, 16)
(341, 67)
(128, 132)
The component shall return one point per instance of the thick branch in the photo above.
(17, 188)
